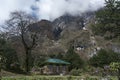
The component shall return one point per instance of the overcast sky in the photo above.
(48, 9)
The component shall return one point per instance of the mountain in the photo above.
(58, 35)
(64, 32)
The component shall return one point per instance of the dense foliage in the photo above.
(75, 60)
(104, 57)
(8, 53)
(115, 66)
(108, 20)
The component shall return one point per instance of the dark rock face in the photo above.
(61, 24)
(44, 27)
(72, 22)
(69, 22)
(41, 26)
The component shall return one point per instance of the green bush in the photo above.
(74, 58)
(76, 72)
(103, 58)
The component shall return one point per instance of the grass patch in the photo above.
(41, 77)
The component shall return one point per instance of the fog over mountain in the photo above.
(51, 9)
(48, 9)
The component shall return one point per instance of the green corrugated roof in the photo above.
(56, 61)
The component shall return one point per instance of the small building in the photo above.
(55, 66)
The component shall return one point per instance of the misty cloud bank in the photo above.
(51, 9)
(48, 9)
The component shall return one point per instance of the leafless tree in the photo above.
(18, 25)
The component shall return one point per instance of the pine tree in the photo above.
(75, 60)
(108, 19)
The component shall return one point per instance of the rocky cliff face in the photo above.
(68, 22)
(64, 32)
(71, 23)
(68, 31)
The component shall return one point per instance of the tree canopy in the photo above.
(75, 60)
(108, 20)
(18, 25)
(104, 57)
(8, 53)
(115, 66)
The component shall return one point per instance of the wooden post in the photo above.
(66, 69)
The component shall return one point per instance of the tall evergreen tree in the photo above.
(104, 57)
(108, 19)
(75, 60)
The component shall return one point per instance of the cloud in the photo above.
(8, 6)
(51, 9)
(48, 9)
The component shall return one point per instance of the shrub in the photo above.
(76, 72)
(75, 60)
(103, 58)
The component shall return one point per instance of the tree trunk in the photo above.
(27, 65)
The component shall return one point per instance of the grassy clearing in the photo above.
(39, 77)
